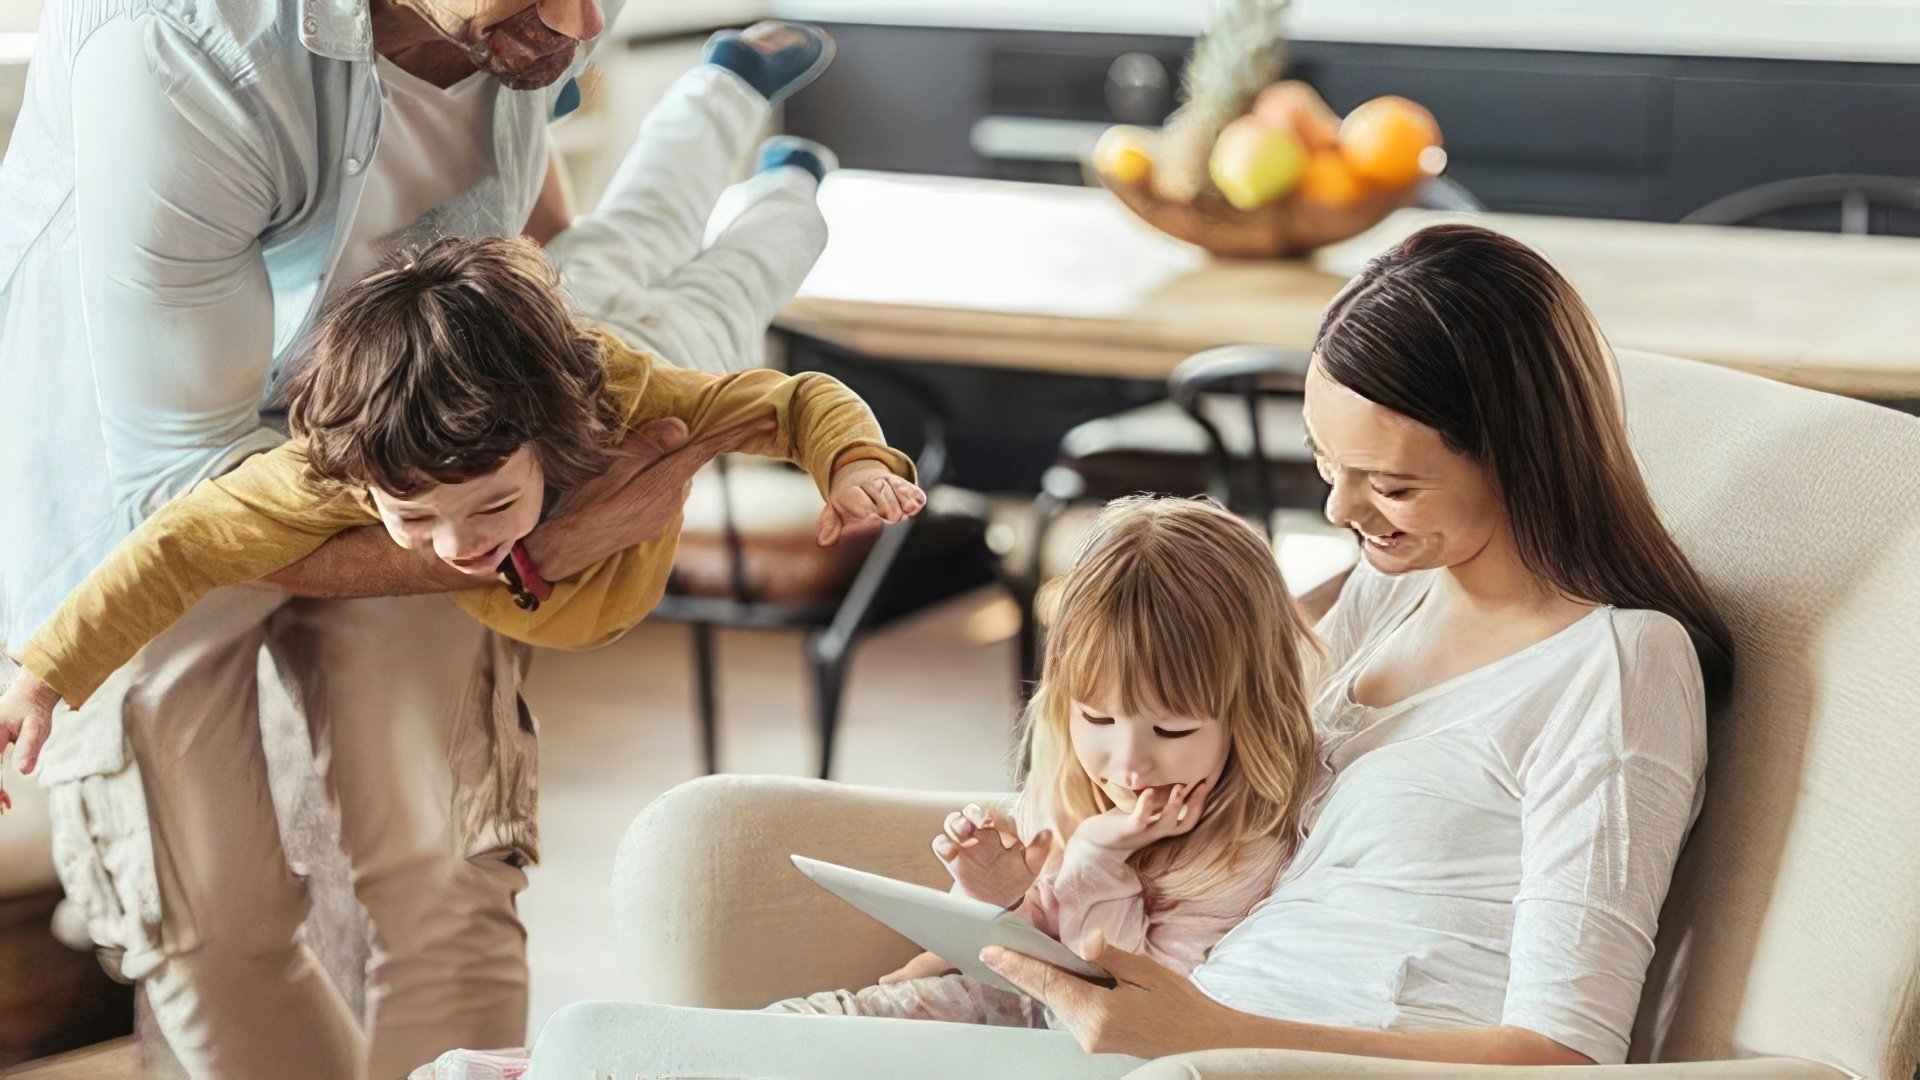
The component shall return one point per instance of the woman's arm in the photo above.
(1152, 1012)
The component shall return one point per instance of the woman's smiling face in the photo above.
(1416, 503)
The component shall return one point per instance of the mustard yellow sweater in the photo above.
(271, 512)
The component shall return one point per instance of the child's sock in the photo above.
(782, 150)
(775, 58)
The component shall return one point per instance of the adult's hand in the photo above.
(1151, 1011)
(636, 500)
(1286, 227)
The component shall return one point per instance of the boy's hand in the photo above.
(987, 859)
(26, 718)
(1159, 813)
(864, 497)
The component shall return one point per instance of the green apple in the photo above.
(1254, 164)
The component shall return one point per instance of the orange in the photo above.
(1383, 140)
(1330, 181)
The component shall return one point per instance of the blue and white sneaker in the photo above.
(775, 58)
(783, 150)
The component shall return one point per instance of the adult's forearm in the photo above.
(366, 562)
(1232, 1029)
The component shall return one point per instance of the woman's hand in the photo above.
(987, 858)
(636, 500)
(864, 497)
(26, 718)
(1150, 1012)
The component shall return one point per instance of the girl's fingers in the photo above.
(1176, 809)
(1196, 806)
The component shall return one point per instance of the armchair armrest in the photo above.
(711, 913)
(1276, 1064)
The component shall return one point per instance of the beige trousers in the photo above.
(166, 833)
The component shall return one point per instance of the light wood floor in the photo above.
(928, 705)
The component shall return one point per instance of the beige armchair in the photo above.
(1789, 944)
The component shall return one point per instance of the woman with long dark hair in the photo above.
(1512, 713)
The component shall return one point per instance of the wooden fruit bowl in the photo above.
(1289, 227)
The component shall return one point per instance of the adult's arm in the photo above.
(174, 188)
(1152, 1012)
(633, 503)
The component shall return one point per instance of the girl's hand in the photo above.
(987, 858)
(866, 496)
(1156, 815)
(26, 718)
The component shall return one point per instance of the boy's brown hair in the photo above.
(437, 367)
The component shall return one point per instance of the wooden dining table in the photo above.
(1042, 278)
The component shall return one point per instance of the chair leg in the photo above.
(704, 700)
(829, 679)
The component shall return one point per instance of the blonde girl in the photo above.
(1170, 757)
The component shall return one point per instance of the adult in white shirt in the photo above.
(186, 184)
(1513, 723)
(1513, 715)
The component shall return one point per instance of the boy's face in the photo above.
(471, 525)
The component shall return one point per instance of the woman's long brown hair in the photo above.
(1477, 336)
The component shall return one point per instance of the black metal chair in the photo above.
(1231, 427)
(908, 567)
(1863, 201)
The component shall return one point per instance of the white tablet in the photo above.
(953, 927)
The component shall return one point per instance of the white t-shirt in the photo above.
(1491, 851)
(434, 144)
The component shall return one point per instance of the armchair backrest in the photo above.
(1793, 926)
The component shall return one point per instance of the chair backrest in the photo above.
(1857, 195)
(1793, 927)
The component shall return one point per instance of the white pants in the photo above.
(175, 853)
(658, 1041)
(643, 261)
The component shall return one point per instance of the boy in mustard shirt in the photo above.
(452, 397)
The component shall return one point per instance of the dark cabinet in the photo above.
(1599, 135)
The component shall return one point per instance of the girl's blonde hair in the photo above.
(1175, 604)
